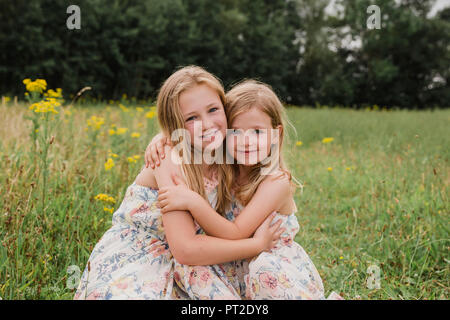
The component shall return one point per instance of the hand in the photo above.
(155, 150)
(267, 234)
(176, 197)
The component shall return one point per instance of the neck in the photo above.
(243, 173)
(207, 170)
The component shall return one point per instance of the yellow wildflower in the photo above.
(95, 122)
(121, 131)
(111, 154)
(124, 109)
(133, 159)
(110, 210)
(135, 135)
(330, 169)
(140, 109)
(347, 168)
(150, 114)
(112, 132)
(109, 164)
(45, 106)
(327, 140)
(54, 94)
(38, 85)
(298, 143)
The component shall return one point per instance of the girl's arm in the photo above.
(192, 249)
(269, 197)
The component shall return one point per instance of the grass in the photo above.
(375, 199)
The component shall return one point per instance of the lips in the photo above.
(209, 134)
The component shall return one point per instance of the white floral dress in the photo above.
(133, 261)
(284, 273)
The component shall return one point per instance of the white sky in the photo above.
(439, 5)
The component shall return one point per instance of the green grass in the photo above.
(384, 204)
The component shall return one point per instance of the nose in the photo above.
(207, 124)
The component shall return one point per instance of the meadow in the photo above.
(373, 212)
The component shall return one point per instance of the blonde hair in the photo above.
(247, 95)
(170, 119)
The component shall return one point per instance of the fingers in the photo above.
(154, 155)
(147, 156)
(276, 225)
(269, 219)
(160, 148)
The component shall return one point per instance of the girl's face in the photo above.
(250, 137)
(204, 116)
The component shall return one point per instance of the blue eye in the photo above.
(190, 118)
(213, 109)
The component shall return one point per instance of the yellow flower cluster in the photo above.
(135, 135)
(54, 94)
(109, 164)
(45, 106)
(151, 113)
(39, 85)
(95, 122)
(105, 198)
(110, 210)
(327, 140)
(124, 109)
(112, 155)
(133, 159)
(117, 131)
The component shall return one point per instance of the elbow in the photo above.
(183, 253)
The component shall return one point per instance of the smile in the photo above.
(209, 134)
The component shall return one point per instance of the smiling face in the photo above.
(250, 138)
(203, 115)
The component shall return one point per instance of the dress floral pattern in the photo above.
(133, 261)
(284, 273)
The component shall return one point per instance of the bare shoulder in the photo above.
(146, 178)
(168, 166)
(277, 180)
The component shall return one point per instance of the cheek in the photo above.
(190, 128)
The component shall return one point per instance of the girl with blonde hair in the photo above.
(147, 255)
(262, 185)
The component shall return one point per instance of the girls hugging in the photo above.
(207, 229)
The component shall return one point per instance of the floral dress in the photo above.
(133, 261)
(284, 273)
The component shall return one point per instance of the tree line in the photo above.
(308, 55)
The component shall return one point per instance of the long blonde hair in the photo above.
(241, 98)
(170, 119)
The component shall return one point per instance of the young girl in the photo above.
(145, 255)
(263, 187)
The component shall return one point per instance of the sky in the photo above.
(439, 5)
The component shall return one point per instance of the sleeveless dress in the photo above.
(132, 260)
(286, 272)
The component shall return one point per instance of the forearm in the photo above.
(206, 250)
(212, 222)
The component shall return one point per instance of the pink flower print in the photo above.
(268, 280)
(94, 295)
(205, 278)
(286, 241)
(159, 250)
(192, 277)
